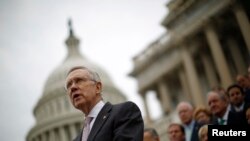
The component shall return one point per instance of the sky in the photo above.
(32, 45)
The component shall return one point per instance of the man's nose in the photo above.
(73, 87)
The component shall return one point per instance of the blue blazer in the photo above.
(121, 122)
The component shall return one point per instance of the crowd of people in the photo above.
(225, 106)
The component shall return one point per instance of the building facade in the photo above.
(207, 44)
(56, 118)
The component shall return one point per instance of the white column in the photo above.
(219, 58)
(147, 118)
(244, 25)
(236, 56)
(209, 70)
(192, 76)
(43, 135)
(52, 135)
(62, 134)
(184, 84)
(165, 96)
(72, 130)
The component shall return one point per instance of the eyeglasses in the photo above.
(77, 81)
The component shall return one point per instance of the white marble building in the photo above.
(207, 43)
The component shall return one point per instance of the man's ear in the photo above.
(98, 87)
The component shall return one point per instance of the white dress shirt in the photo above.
(188, 130)
(95, 111)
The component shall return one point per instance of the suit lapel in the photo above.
(215, 121)
(100, 120)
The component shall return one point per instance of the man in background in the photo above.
(219, 106)
(150, 134)
(185, 112)
(176, 132)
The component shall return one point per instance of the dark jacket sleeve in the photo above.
(128, 124)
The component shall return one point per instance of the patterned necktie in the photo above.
(86, 128)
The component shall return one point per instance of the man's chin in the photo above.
(78, 105)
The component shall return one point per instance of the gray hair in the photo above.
(93, 75)
(221, 96)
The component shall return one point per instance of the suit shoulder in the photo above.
(126, 105)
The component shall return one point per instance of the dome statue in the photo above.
(56, 119)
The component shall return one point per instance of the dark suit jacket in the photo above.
(121, 122)
(246, 105)
(194, 136)
(234, 118)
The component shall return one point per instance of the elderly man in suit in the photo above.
(103, 121)
(219, 106)
(185, 112)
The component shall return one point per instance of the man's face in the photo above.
(185, 113)
(235, 96)
(216, 105)
(175, 133)
(147, 136)
(82, 90)
(243, 81)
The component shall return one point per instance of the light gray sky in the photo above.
(32, 35)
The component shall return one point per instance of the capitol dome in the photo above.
(56, 119)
